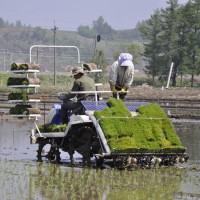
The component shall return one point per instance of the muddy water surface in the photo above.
(21, 177)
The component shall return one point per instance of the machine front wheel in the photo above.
(48, 151)
(99, 162)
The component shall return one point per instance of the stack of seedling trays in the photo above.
(24, 67)
(24, 80)
(150, 132)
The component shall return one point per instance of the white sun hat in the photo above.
(125, 59)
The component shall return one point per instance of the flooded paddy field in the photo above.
(22, 177)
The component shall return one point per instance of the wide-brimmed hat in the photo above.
(77, 70)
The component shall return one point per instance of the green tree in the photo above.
(99, 59)
(136, 51)
(173, 36)
(18, 24)
(38, 34)
(171, 45)
(165, 33)
(151, 30)
(101, 27)
(192, 30)
(2, 23)
(183, 32)
(86, 31)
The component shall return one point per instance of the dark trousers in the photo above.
(71, 107)
(68, 108)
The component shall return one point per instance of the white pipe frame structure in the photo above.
(53, 46)
(96, 93)
(170, 73)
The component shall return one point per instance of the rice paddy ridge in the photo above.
(173, 98)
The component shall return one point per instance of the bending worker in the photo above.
(72, 101)
(121, 75)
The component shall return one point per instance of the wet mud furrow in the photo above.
(186, 100)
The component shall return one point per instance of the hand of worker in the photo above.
(113, 89)
(61, 96)
(123, 90)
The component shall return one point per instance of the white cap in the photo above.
(125, 59)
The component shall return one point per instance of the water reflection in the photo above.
(15, 142)
(190, 137)
(24, 178)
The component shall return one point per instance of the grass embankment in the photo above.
(150, 131)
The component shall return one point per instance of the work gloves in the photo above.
(62, 96)
(113, 89)
(123, 90)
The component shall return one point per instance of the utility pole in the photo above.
(97, 39)
(54, 57)
(4, 60)
(37, 55)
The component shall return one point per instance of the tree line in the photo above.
(172, 35)
(16, 37)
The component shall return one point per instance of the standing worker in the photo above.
(121, 75)
(72, 101)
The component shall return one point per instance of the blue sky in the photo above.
(69, 14)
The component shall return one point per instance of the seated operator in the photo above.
(82, 82)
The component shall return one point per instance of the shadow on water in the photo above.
(24, 178)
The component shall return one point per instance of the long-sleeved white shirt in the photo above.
(121, 76)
